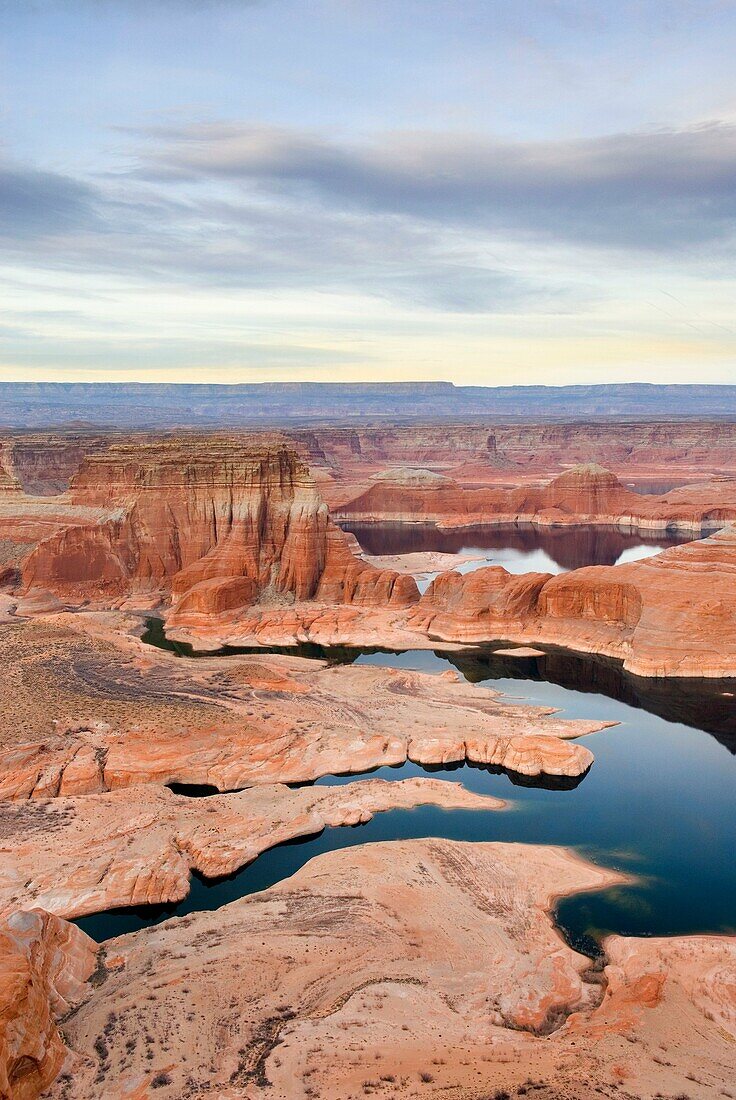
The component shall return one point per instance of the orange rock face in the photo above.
(673, 614)
(44, 966)
(586, 494)
(215, 523)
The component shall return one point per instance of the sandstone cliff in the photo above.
(586, 494)
(216, 523)
(671, 614)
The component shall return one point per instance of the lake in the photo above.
(518, 549)
(657, 803)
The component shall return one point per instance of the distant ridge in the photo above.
(160, 405)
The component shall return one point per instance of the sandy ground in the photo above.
(420, 563)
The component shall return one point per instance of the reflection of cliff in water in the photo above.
(705, 704)
(570, 547)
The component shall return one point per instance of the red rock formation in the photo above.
(44, 966)
(482, 453)
(44, 464)
(672, 614)
(585, 494)
(8, 481)
(215, 522)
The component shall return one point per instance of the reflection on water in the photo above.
(657, 803)
(518, 549)
(654, 488)
(706, 704)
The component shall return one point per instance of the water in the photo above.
(517, 549)
(657, 803)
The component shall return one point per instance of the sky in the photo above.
(488, 193)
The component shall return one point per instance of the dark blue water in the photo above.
(657, 803)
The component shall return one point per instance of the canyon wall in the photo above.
(541, 446)
(216, 523)
(44, 464)
(586, 494)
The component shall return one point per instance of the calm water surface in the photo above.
(657, 803)
(518, 549)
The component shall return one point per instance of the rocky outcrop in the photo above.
(54, 856)
(369, 954)
(586, 494)
(44, 967)
(88, 708)
(216, 523)
(673, 614)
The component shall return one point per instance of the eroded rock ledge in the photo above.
(431, 967)
(91, 708)
(54, 855)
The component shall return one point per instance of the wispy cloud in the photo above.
(662, 190)
(39, 204)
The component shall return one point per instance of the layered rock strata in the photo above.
(338, 981)
(216, 524)
(53, 855)
(493, 453)
(587, 494)
(91, 709)
(44, 464)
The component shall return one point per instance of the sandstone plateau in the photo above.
(53, 857)
(402, 969)
(586, 494)
(91, 708)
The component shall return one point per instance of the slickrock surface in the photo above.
(54, 855)
(89, 708)
(585, 494)
(44, 967)
(431, 561)
(673, 614)
(419, 968)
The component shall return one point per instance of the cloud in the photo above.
(36, 204)
(162, 232)
(438, 223)
(645, 190)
